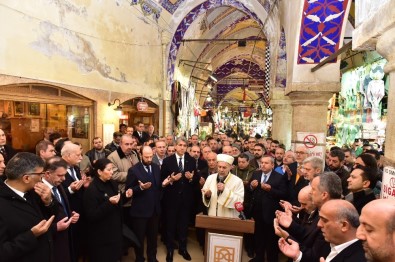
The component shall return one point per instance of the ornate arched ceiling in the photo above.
(219, 20)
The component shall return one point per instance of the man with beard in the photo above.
(336, 165)
(144, 180)
(259, 151)
(273, 146)
(361, 182)
(222, 190)
(97, 152)
(377, 230)
(278, 157)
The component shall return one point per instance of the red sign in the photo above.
(310, 141)
(142, 106)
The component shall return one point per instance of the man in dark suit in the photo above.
(98, 151)
(27, 211)
(144, 180)
(296, 179)
(7, 151)
(268, 188)
(338, 223)
(55, 174)
(140, 133)
(74, 185)
(179, 178)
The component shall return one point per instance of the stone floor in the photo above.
(193, 248)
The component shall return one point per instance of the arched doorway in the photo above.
(141, 109)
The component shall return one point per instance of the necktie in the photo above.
(56, 194)
(265, 178)
(297, 174)
(72, 173)
(2, 151)
(180, 167)
(58, 197)
(149, 170)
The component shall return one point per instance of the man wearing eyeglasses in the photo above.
(27, 211)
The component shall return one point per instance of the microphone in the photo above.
(220, 180)
(239, 207)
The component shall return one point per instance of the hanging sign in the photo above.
(142, 106)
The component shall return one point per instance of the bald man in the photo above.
(338, 223)
(377, 230)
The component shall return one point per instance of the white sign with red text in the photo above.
(388, 184)
(314, 143)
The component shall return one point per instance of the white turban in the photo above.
(225, 158)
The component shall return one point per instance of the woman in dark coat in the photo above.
(103, 209)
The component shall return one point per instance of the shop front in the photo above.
(360, 109)
(27, 110)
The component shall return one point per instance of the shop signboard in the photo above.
(142, 106)
(388, 183)
(314, 143)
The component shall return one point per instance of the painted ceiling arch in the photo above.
(252, 8)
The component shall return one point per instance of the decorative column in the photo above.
(165, 116)
(377, 31)
(282, 117)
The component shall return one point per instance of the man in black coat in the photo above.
(180, 179)
(144, 180)
(74, 186)
(98, 151)
(55, 174)
(7, 151)
(338, 223)
(140, 133)
(27, 211)
(268, 188)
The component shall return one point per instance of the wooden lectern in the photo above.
(228, 227)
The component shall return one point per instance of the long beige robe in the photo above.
(224, 204)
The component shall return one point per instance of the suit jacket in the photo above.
(63, 245)
(9, 152)
(294, 188)
(17, 217)
(155, 159)
(75, 199)
(310, 238)
(144, 136)
(267, 202)
(146, 203)
(352, 253)
(91, 154)
(183, 189)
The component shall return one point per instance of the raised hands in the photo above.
(44, 192)
(42, 227)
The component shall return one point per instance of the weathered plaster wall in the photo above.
(107, 45)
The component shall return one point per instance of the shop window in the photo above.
(24, 122)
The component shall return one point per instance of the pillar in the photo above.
(378, 32)
(282, 117)
(310, 106)
(165, 116)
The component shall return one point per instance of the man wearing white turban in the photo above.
(222, 190)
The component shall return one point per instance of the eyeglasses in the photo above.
(36, 174)
(300, 153)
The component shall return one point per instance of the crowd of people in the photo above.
(62, 205)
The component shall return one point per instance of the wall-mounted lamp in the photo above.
(119, 107)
